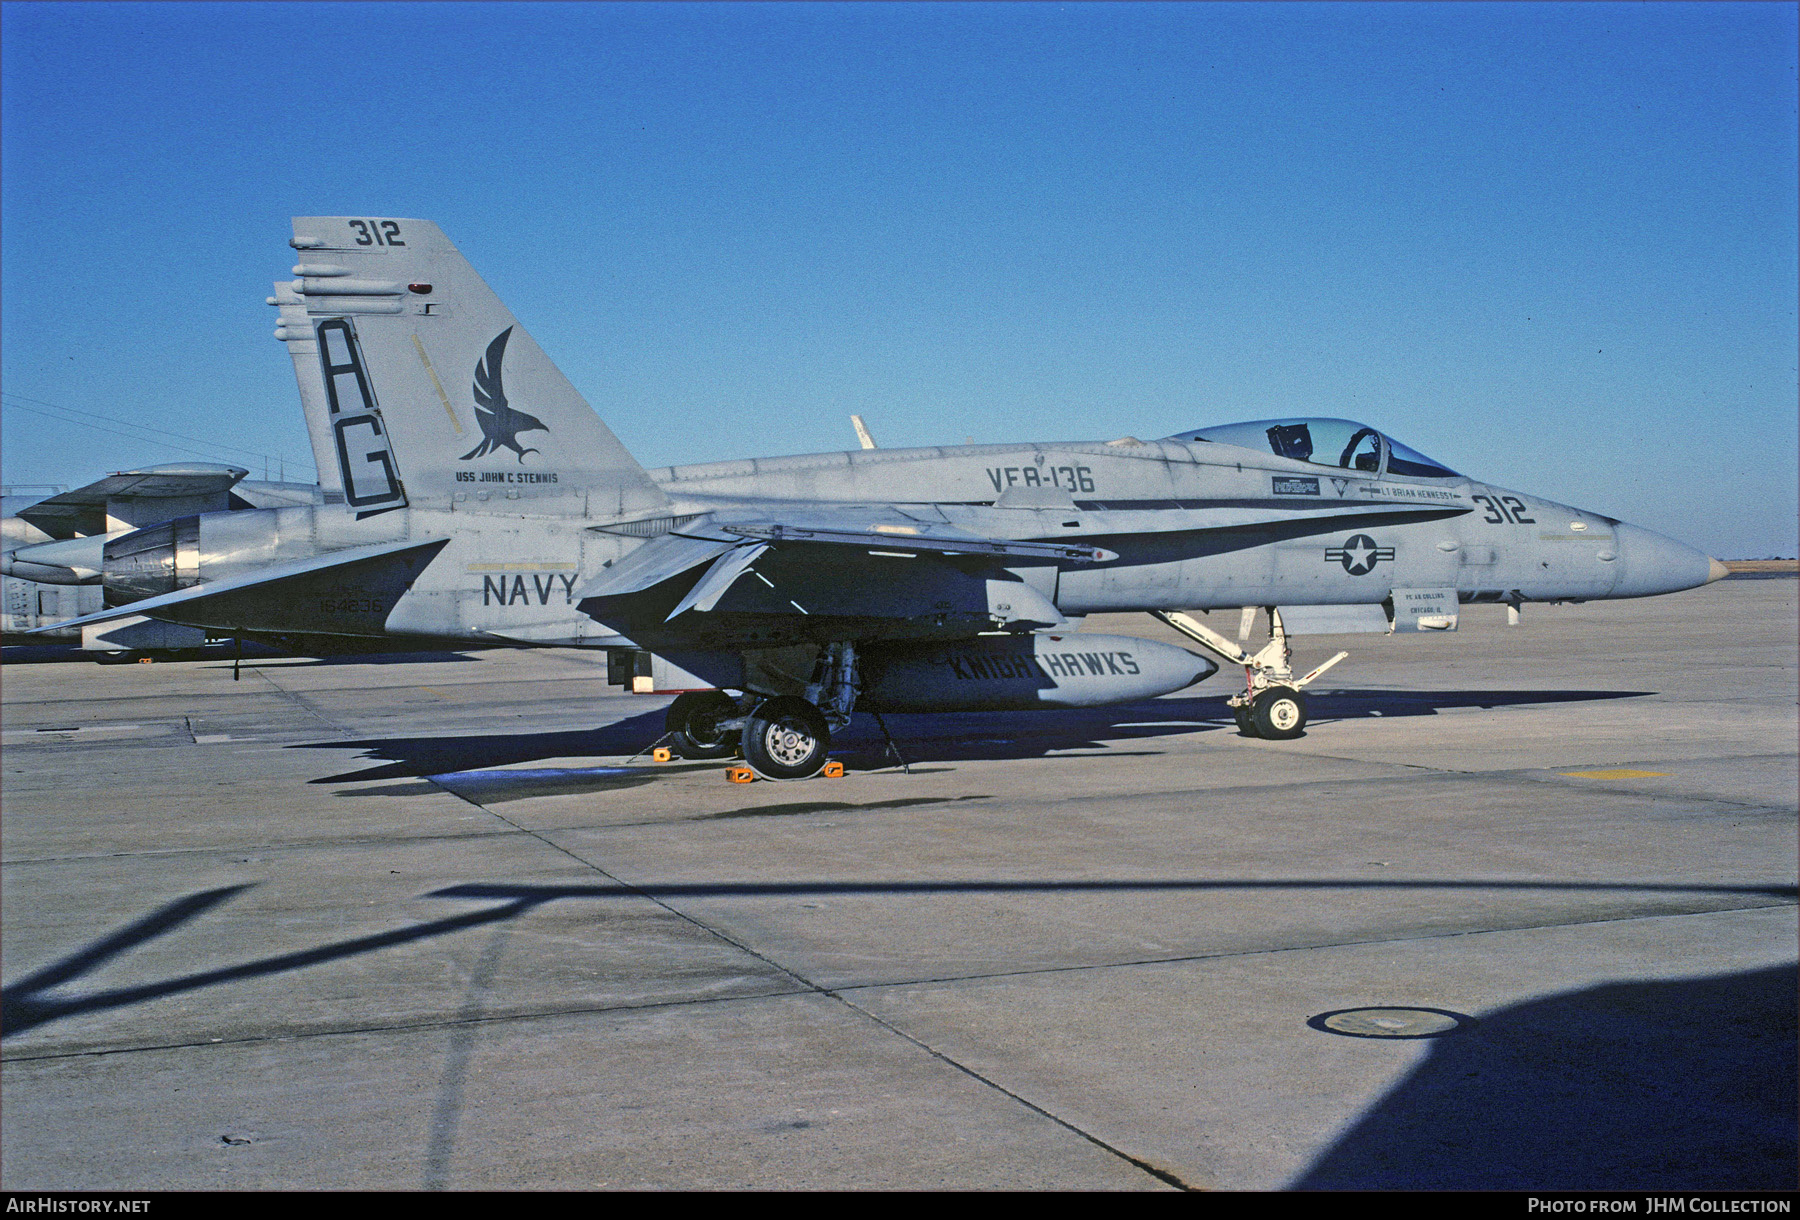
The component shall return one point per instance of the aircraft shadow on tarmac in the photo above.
(31, 1001)
(1686, 1084)
(221, 655)
(921, 738)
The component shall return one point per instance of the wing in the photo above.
(803, 572)
(703, 541)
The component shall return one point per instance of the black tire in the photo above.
(1245, 722)
(694, 719)
(786, 738)
(1279, 713)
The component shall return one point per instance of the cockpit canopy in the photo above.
(1326, 442)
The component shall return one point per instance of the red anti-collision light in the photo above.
(421, 289)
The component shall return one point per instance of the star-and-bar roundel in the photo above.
(1359, 554)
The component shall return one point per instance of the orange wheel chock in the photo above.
(662, 754)
(740, 775)
(833, 770)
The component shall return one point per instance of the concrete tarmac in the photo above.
(416, 922)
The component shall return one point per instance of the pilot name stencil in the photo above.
(1403, 492)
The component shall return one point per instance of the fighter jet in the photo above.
(52, 549)
(781, 594)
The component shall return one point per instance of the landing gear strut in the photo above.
(1272, 704)
(787, 737)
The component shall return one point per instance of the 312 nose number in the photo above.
(1504, 509)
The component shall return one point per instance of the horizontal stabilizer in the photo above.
(273, 586)
(70, 561)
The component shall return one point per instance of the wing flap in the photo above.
(657, 560)
(725, 569)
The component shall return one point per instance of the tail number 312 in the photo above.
(377, 232)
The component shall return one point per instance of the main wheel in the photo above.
(1279, 713)
(786, 738)
(695, 718)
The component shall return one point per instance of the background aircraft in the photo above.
(52, 549)
(475, 497)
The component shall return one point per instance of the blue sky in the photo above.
(1553, 246)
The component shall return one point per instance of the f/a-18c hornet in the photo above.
(474, 497)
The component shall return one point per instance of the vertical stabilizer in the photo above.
(426, 390)
(295, 330)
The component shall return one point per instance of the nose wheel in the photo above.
(1271, 706)
(1277, 714)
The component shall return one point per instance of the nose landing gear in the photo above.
(1272, 704)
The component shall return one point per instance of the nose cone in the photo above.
(1650, 564)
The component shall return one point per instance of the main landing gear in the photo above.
(786, 738)
(1272, 704)
(781, 737)
(700, 724)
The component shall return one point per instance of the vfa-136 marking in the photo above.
(784, 592)
(1068, 478)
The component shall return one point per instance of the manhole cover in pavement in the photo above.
(1390, 1022)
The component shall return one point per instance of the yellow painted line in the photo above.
(1616, 773)
(442, 397)
(521, 567)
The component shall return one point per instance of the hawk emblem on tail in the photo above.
(500, 424)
